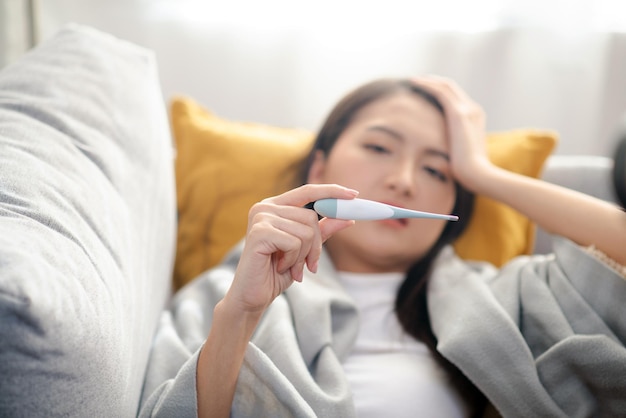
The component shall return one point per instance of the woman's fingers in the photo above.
(312, 192)
(299, 235)
(465, 120)
(283, 237)
(288, 230)
(444, 89)
(288, 206)
(328, 227)
(309, 248)
(451, 96)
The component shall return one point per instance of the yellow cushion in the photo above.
(223, 167)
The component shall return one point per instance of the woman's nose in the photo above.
(402, 178)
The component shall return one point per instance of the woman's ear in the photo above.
(316, 171)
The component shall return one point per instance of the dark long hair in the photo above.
(411, 305)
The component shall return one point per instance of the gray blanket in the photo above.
(544, 336)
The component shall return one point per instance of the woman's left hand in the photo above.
(465, 122)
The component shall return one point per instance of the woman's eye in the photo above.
(377, 148)
(436, 174)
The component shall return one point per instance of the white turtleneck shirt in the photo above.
(392, 374)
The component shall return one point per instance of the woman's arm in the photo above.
(221, 358)
(582, 218)
(282, 238)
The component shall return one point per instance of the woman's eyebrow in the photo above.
(397, 135)
(391, 132)
(438, 153)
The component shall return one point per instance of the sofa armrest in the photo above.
(88, 221)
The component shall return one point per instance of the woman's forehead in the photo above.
(402, 102)
(403, 113)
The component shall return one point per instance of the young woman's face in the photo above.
(394, 151)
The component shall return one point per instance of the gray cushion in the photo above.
(87, 221)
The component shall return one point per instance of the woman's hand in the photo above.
(465, 121)
(282, 238)
(558, 210)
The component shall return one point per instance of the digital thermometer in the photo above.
(369, 210)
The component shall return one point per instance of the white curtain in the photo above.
(284, 62)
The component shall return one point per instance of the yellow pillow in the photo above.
(223, 167)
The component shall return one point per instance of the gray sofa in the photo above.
(88, 222)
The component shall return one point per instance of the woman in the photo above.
(416, 144)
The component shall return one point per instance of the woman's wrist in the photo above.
(231, 314)
(479, 177)
(221, 357)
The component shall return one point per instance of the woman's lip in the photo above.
(395, 223)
